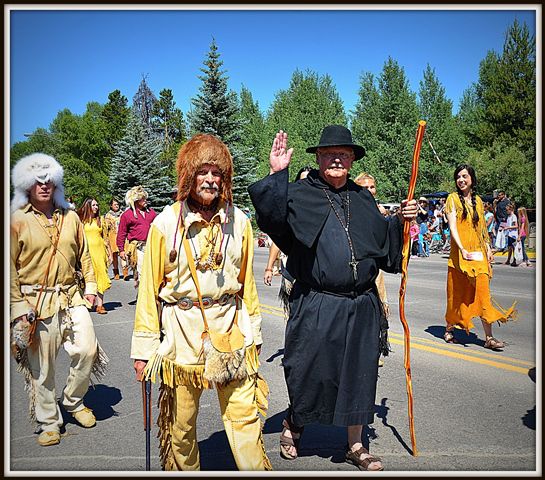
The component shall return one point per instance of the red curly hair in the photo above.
(201, 149)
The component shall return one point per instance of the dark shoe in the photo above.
(514, 264)
(286, 442)
(363, 463)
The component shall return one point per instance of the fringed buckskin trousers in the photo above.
(239, 412)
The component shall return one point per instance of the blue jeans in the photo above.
(423, 248)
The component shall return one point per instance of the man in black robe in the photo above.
(336, 241)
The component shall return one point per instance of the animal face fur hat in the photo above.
(201, 149)
(133, 195)
(32, 169)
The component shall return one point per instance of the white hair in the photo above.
(37, 167)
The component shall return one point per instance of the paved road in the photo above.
(475, 410)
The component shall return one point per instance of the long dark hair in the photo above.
(473, 187)
(86, 213)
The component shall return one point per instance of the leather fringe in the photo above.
(165, 421)
(173, 374)
(100, 363)
(23, 366)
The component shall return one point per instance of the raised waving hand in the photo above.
(279, 157)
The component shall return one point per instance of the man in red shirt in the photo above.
(133, 227)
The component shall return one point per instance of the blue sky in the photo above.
(66, 58)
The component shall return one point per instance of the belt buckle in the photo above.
(207, 302)
(224, 299)
(185, 303)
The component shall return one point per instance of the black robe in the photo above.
(333, 334)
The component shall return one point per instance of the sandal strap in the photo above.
(291, 426)
(354, 455)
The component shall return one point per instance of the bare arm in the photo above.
(274, 251)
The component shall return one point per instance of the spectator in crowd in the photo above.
(423, 238)
(414, 230)
(522, 218)
(512, 230)
(99, 248)
(423, 212)
(490, 222)
(366, 180)
(500, 210)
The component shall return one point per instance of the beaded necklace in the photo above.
(353, 262)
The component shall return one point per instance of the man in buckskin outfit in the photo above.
(201, 246)
(47, 308)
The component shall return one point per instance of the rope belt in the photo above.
(186, 303)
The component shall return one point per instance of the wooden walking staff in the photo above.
(404, 276)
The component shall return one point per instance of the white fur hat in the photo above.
(133, 195)
(37, 167)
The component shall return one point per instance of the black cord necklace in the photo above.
(353, 262)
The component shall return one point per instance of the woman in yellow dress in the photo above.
(98, 248)
(469, 271)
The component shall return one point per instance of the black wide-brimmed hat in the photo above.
(338, 136)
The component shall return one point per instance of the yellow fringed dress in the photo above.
(99, 257)
(468, 281)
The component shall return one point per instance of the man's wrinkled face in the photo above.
(334, 162)
(207, 184)
(41, 192)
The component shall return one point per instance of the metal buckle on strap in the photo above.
(224, 299)
(185, 303)
(207, 302)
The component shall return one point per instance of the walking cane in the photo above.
(146, 401)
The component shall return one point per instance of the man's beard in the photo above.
(207, 187)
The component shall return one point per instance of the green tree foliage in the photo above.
(216, 112)
(385, 124)
(41, 140)
(498, 117)
(442, 133)
(115, 115)
(309, 104)
(136, 162)
(254, 137)
(168, 122)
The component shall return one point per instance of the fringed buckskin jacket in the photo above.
(171, 340)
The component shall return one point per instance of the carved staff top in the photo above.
(404, 276)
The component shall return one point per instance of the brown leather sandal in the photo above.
(286, 442)
(363, 463)
(493, 343)
(449, 337)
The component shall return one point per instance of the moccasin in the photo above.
(85, 417)
(49, 438)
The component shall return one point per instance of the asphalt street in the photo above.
(474, 409)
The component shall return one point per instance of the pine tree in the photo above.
(136, 162)
(216, 112)
(386, 123)
(144, 102)
(442, 133)
(115, 115)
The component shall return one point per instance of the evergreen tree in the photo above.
(442, 133)
(115, 115)
(303, 110)
(168, 119)
(216, 112)
(144, 102)
(386, 123)
(136, 162)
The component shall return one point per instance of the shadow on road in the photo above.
(111, 306)
(100, 400)
(529, 420)
(274, 355)
(461, 336)
(215, 453)
(330, 441)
